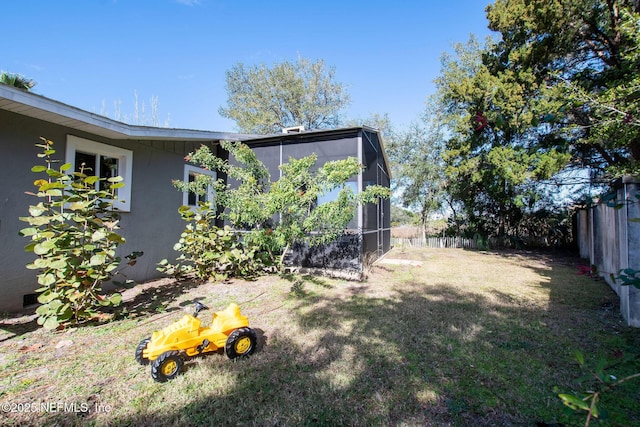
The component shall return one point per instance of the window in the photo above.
(190, 198)
(104, 161)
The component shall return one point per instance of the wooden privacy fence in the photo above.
(610, 238)
(435, 242)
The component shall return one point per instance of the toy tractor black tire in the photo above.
(241, 342)
(167, 366)
(139, 357)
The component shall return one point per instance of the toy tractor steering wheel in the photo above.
(199, 307)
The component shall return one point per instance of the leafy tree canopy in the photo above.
(492, 154)
(416, 161)
(265, 100)
(558, 90)
(580, 63)
(401, 216)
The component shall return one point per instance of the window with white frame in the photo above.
(104, 161)
(190, 198)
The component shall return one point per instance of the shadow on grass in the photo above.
(430, 354)
(156, 299)
(150, 300)
(299, 283)
(14, 327)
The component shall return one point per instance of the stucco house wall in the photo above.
(151, 224)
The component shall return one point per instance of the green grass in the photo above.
(467, 338)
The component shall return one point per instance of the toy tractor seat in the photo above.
(228, 319)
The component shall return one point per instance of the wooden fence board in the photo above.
(435, 242)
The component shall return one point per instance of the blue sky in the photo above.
(92, 53)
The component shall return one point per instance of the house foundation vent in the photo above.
(29, 300)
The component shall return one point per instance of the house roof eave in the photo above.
(39, 107)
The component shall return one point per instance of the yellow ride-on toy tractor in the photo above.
(168, 348)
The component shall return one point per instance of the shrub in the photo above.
(210, 252)
(73, 231)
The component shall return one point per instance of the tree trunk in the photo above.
(284, 253)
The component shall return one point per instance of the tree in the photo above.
(582, 58)
(274, 215)
(415, 157)
(16, 80)
(265, 100)
(401, 216)
(559, 90)
(380, 122)
(493, 159)
(416, 161)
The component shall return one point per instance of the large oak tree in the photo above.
(265, 100)
(493, 159)
(559, 89)
(584, 58)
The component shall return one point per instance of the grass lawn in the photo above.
(460, 338)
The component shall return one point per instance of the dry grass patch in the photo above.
(467, 338)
